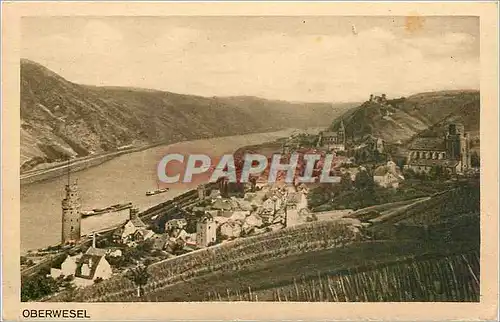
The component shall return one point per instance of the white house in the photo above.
(230, 229)
(388, 176)
(91, 267)
(85, 268)
(68, 267)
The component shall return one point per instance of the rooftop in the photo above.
(95, 251)
(428, 143)
(92, 261)
(329, 134)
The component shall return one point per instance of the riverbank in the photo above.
(79, 164)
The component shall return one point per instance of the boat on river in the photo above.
(100, 211)
(156, 192)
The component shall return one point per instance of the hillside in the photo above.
(405, 118)
(319, 250)
(61, 118)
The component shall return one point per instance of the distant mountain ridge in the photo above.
(403, 119)
(60, 118)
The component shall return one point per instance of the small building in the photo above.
(86, 268)
(68, 267)
(230, 229)
(206, 231)
(254, 220)
(142, 235)
(388, 176)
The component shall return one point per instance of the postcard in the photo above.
(251, 161)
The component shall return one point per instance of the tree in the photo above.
(36, 287)
(475, 160)
(346, 182)
(139, 276)
(363, 180)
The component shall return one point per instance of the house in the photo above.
(132, 226)
(271, 205)
(68, 267)
(230, 229)
(142, 235)
(388, 176)
(86, 268)
(91, 267)
(254, 220)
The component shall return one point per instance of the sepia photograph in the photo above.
(250, 158)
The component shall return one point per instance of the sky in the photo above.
(315, 59)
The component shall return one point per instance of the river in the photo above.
(123, 179)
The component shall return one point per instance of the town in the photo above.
(217, 213)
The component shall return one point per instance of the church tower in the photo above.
(71, 216)
(453, 142)
(341, 133)
(458, 145)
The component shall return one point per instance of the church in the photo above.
(333, 141)
(451, 152)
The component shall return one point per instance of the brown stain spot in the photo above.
(319, 39)
(414, 24)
